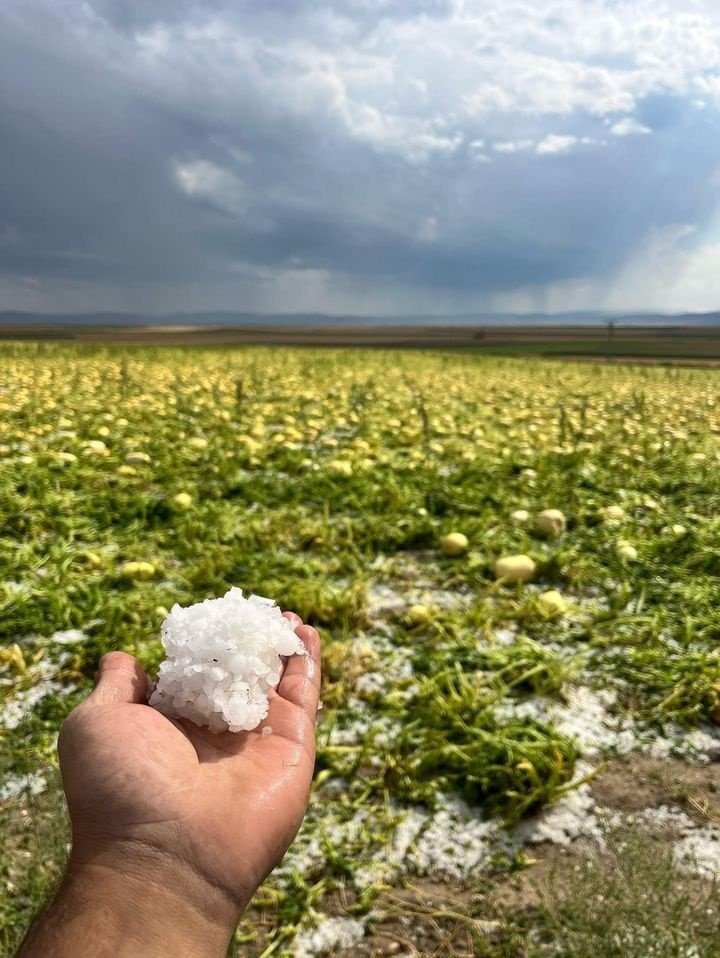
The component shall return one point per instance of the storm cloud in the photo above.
(363, 155)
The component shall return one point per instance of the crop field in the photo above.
(507, 764)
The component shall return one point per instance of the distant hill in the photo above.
(315, 320)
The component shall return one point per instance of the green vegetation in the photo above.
(632, 902)
(326, 479)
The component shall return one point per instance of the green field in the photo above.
(626, 348)
(458, 707)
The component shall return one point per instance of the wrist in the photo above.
(131, 900)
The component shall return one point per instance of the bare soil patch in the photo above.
(642, 782)
(426, 918)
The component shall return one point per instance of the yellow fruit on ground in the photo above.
(518, 568)
(252, 445)
(552, 603)
(520, 516)
(550, 522)
(626, 551)
(137, 458)
(95, 448)
(419, 614)
(454, 544)
(340, 467)
(13, 656)
(141, 571)
(183, 500)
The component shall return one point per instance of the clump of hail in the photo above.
(223, 656)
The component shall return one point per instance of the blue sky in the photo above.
(366, 156)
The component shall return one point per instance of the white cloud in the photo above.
(414, 138)
(555, 143)
(207, 181)
(418, 86)
(629, 126)
(513, 146)
(476, 150)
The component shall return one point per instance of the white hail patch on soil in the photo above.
(506, 636)
(16, 785)
(454, 842)
(331, 934)
(586, 717)
(364, 722)
(18, 707)
(663, 817)
(394, 661)
(457, 841)
(572, 817)
(699, 851)
(391, 860)
(383, 600)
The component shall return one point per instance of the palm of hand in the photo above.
(226, 804)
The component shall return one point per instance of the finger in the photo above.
(300, 683)
(120, 679)
(294, 620)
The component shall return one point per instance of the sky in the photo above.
(359, 156)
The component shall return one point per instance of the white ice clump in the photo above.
(223, 658)
(68, 636)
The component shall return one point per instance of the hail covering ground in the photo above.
(463, 708)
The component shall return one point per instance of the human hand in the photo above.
(202, 817)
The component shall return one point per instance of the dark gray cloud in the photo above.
(358, 152)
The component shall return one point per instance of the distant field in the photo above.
(494, 756)
(679, 348)
(696, 344)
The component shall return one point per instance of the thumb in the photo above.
(120, 679)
